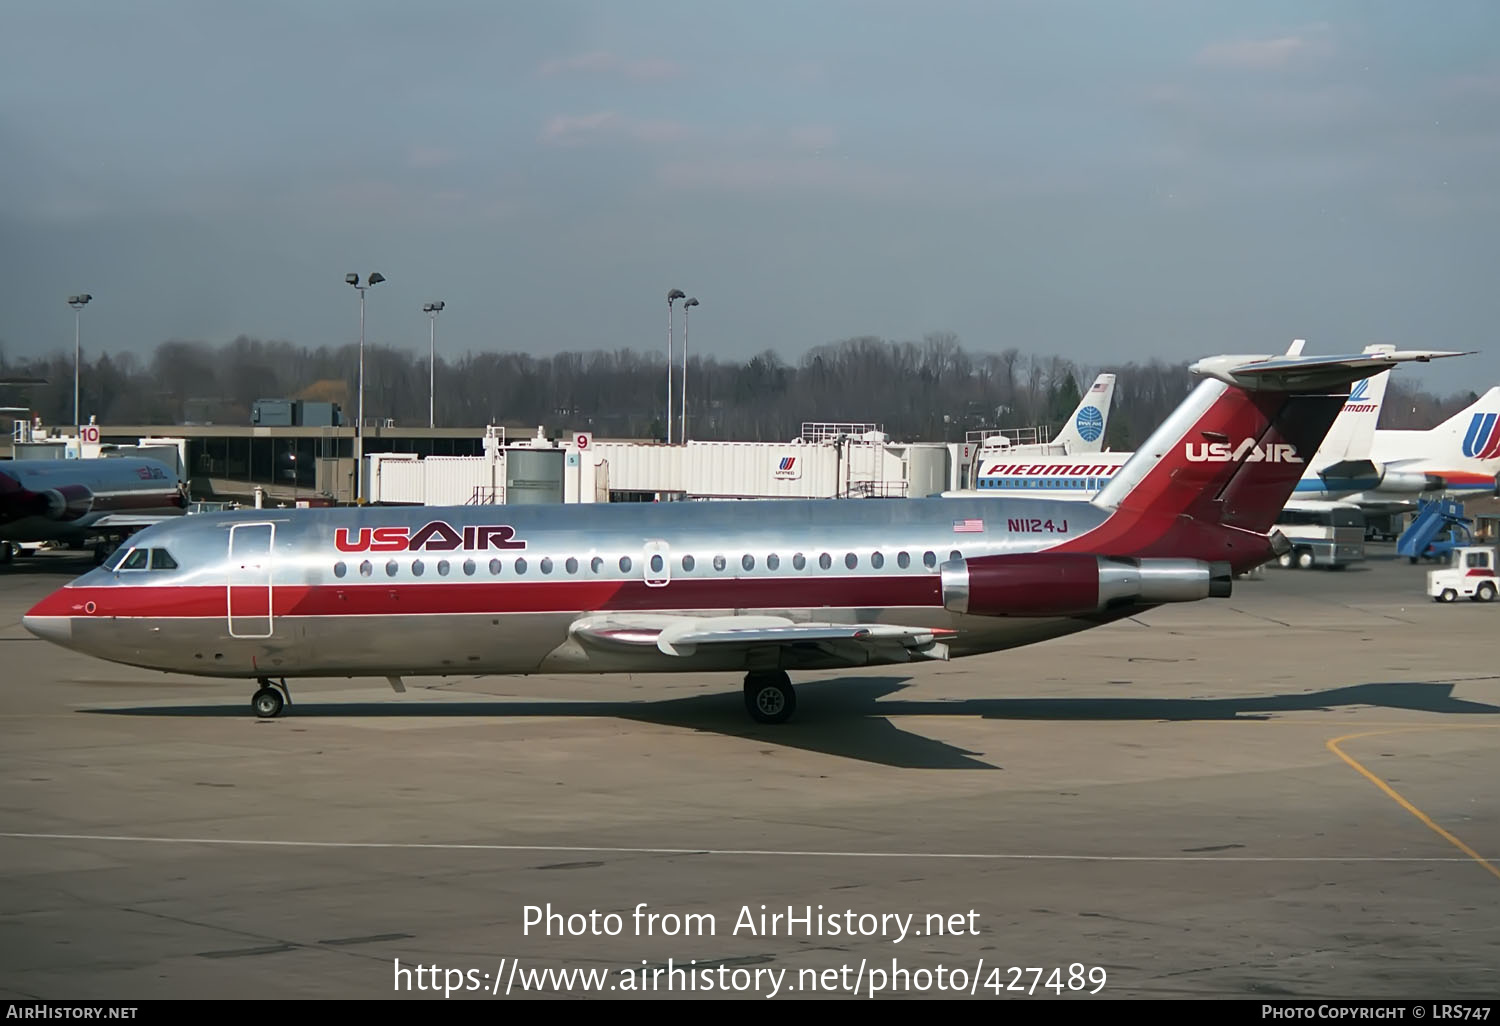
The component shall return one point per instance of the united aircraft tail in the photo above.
(1473, 433)
(1210, 482)
(1084, 431)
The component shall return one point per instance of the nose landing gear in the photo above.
(268, 701)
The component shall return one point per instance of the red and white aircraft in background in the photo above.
(754, 587)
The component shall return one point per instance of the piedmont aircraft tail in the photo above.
(1353, 432)
(1084, 430)
(1213, 478)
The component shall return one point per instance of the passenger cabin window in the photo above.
(571, 565)
(596, 564)
(417, 567)
(687, 563)
(903, 560)
(773, 562)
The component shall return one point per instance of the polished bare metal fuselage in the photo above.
(472, 610)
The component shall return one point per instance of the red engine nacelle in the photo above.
(1065, 584)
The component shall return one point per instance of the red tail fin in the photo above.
(1215, 476)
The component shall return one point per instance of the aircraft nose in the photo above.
(51, 619)
(57, 629)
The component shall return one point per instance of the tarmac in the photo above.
(1288, 793)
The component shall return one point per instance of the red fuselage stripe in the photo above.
(373, 598)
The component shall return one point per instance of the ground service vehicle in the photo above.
(1472, 575)
(1327, 534)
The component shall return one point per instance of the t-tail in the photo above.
(1211, 481)
(1084, 430)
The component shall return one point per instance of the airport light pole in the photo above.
(685, 307)
(359, 427)
(432, 310)
(77, 302)
(672, 297)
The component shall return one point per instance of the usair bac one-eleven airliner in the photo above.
(754, 587)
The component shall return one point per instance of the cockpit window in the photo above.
(136, 560)
(116, 557)
(161, 559)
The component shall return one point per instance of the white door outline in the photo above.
(250, 556)
(657, 578)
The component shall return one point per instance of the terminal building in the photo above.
(279, 463)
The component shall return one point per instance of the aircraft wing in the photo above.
(130, 520)
(684, 635)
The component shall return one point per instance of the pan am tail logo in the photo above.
(1090, 423)
(1482, 442)
(1248, 451)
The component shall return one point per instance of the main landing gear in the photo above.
(769, 697)
(268, 701)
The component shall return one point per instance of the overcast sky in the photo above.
(1106, 181)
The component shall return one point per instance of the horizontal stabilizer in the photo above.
(1294, 373)
(1345, 470)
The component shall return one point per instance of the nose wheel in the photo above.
(769, 697)
(270, 699)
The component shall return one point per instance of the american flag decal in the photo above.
(968, 526)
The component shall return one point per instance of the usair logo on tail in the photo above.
(1248, 451)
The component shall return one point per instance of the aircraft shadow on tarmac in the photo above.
(846, 717)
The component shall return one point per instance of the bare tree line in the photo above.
(932, 390)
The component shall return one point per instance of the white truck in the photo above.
(1471, 574)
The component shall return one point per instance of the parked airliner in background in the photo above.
(76, 500)
(754, 587)
(1463, 453)
(1083, 432)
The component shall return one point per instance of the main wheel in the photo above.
(1485, 592)
(1304, 559)
(769, 697)
(1448, 595)
(1285, 559)
(267, 703)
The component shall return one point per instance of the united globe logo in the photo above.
(1090, 423)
